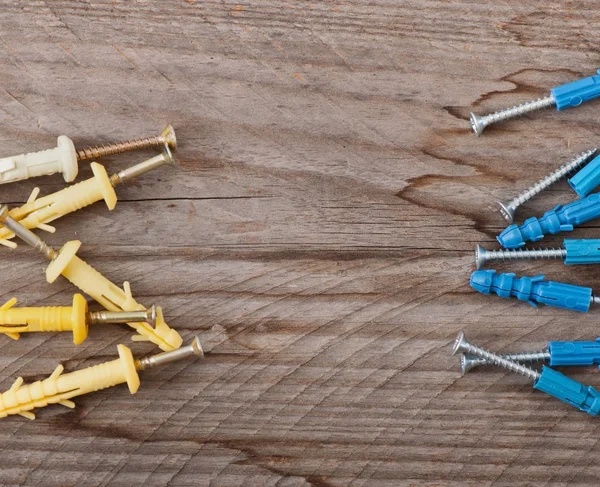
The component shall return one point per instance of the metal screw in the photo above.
(482, 255)
(479, 123)
(143, 167)
(147, 316)
(462, 345)
(167, 137)
(194, 349)
(508, 209)
(26, 235)
(468, 362)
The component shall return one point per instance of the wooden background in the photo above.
(318, 237)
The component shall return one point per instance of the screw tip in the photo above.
(507, 212)
(476, 123)
(459, 343)
(168, 135)
(480, 256)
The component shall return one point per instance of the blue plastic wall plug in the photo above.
(577, 353)
(587, 179)
(564, 96)
(533, 290)
(559, 219)
(575, 93)
(584, 398)
(574, 251)
(550, 381)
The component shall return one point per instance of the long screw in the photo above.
(462, 345)
(167, 137)
(468, 362)
(194, 349)
(508, 209)
(26, 235)
(479, 123)
(482, 255)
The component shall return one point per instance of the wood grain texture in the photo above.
(318, 236)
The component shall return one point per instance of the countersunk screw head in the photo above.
(467, 363)
(197, 347)
(151, 316)
(168, 136)
(508, 212)
(480, 256)
(477, 123)
(460, 343)
(3, 213)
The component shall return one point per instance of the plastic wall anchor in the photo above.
(62, 159)
(113, 298)
(14, 321)
(574, 353)
(587, 179)
(559, 219)
(37, 213)
(584, 398)
(582, 251)
(532, 290)
(575, 93)
(59, 388)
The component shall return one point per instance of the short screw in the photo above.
(508, 209)
(482, 255)
(146, 316)
(167, 137)
(143, 167)
(468, 362)
(194, 349)
(462, 345)
(479, 123)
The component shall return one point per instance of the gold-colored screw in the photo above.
(167, 137)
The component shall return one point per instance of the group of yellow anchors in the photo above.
(119, 304)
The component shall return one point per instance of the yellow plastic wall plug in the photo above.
(37, 213)
(76, 318)
(60, 388)
(65, 262)
(64, 157)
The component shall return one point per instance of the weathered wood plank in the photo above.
(318, 236)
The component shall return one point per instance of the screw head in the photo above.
(480, 256)
(197, 347)
(476, 123)
(168, 135)
(151, 316)
(507, 212)
(460, 343)
(168, 155)
(3, 213)
(467, 363)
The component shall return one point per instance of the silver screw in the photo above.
(147, 316)
(462, 345)
(26, 235)
(482, 255)
(167, 137)
(508, 209)
(194, 349)
(468, 362)
(143, 167)
(479, 123)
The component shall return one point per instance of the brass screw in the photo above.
(167, 137)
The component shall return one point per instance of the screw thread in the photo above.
(500, 361)
(119, 147)
(518, 110)
(542, 184)
(519, 254)
(524, 357)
